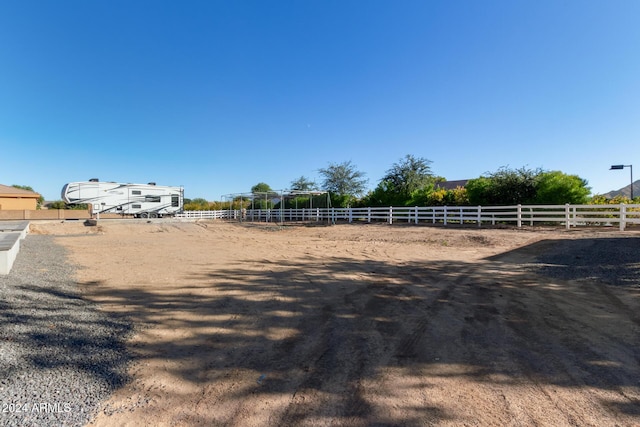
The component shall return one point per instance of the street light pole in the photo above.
(617, 167)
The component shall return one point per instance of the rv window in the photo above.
(136, 206)
(136, 192)
(153, 199)
(175, 200)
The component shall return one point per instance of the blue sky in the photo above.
(218, 96)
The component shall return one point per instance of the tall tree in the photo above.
(197, 204)
(261, 195)
(343, 179)
(557, 188)
(408, 175)
(514, 186)
(506, 186)
(261, 187)
(303, 184)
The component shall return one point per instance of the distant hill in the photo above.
(625, 191)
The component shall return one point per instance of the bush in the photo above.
(526, 186)
(557, 188)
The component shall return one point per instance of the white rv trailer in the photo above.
(140, 200)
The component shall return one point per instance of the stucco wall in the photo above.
(43, 214)
(18, 203)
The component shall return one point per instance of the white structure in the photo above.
(11, 233)
(518, 215)
(140, 200)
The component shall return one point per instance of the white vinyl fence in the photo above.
(518, 215)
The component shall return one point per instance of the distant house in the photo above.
(12, 198)
(451, 185)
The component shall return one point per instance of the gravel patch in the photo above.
(614, 261)
(59, 356)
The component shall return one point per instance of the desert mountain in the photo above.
(625, 191)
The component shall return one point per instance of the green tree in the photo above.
(557, 188)
(405, 183)
(28, 188)
(601, 199)
(261, 194)
(197, 204)
(431, 196)
(459, 196)
(408, 175)
(79, 207)
(438, 197)
(58, 204)
(478, 190)
(303, 184)
(380, 196)
(523, 186)
(261, 187)
(344, 182)
(504, 187)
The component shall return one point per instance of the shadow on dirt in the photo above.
(344, 333)
(614, 261)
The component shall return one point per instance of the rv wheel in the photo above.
(144, 215)
(153, 215)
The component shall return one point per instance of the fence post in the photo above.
(531, 216)
(444, 212)
(479, 220)
(350, 215)
(461, 215)
(390, 214)
(368, 214)
(519, 216)
(623, 216)
(417, 213)
(567, 216)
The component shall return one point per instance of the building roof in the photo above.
(452, 185)
(8, 191)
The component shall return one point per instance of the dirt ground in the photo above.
(358, 325)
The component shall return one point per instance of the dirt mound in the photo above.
(63, 228)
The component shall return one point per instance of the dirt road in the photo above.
(357, 325)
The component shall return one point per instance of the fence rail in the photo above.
(519, 215)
